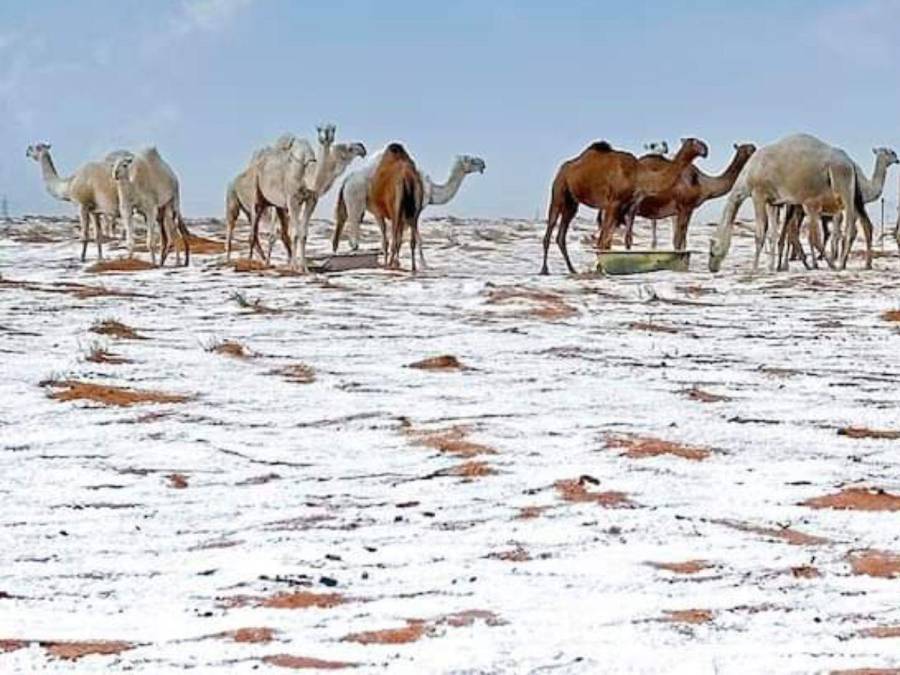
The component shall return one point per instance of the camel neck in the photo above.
(441, 193)
(872, 189)
(56, 186)
(717, 186)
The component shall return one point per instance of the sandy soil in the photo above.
(475, 469)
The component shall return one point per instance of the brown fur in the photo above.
(614, 182)
(397, 194)
(689, 192)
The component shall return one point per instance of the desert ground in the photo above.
(470, 470)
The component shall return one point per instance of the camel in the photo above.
(278, 180)
(397, 193)
(690, 191)
(798, 169)
(613, 182)
(147, 184)
(91, 187)
(333, 164)
(871, 191)
(351, 203)
(241, 195)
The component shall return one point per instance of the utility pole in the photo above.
(4, 208)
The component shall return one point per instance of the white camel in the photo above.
(148, 185)
(319, 176)
(870, 189)
(91, 187)
(799, 169)
(351, 203)
(276, 178)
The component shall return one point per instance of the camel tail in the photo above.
(185, 237)
(410, 199)
(340, 218)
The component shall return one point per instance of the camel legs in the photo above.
(413, 241)
(232, 211)
(382, 225)
(283, 225)
(653, 232)
(761, 215)
(421, 252)
(568, 215)
(301, 228)
(254, 230)
(98, 232)
(84, 216)
(680, 227)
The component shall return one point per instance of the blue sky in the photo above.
(523, 84)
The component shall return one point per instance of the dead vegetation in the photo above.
(697, 394)
(116, 329)
(80, 291)
(651, 327)
(296, 373)
(305, 663)
(120, 265)
(891, 315)
(784, 534)
(255, 307)
(452, 441)
(882, 564)
(857, 499)
(689, 616)
(862, 432)
(416, 629)
(576, 492)
(231, 348)
(532, 303)
(288, 600)
(447, 362)
(73, 390)
(688, 567)
(642, 447)
(98, 353)
(250, 635)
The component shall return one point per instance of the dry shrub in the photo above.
(641, 447)
(113, 328)
(120, 265)
(856, 499)
(73, 390)
(297, 373)
(441, 363)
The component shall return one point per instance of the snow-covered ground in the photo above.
(509, 516)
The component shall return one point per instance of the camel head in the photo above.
(717, 253)
(120, 167)
(471, 164)
(326, 134)
(890, 157)
(657, 148)
(345, 153)
(691, 148)
(37, 151)
(744, 151)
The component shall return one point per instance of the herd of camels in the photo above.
(795, 179)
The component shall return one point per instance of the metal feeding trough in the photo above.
(641, 262)
(341, 262)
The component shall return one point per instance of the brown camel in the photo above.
(396, 193)
(690, 191)
(615, 183)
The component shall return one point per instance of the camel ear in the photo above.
(736, 146)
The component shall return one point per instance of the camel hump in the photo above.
(601, 146)
(397, 149)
